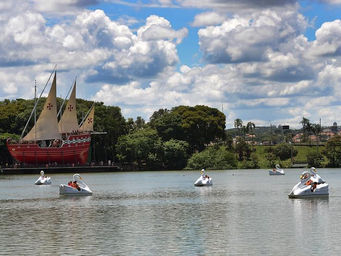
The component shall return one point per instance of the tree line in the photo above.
(192, 137)
(165, 142)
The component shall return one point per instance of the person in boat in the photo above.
(203, 173)
(77, 186)
(315, 179)
(74, 184)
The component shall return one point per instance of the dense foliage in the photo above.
(213, 158)
(184, 136)
(198, 125)
(333, 151)
(143, 147)
(315, 159)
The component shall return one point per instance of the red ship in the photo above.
(53, 142)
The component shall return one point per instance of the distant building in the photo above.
(297, 138)
(326, 134)
(313, 138)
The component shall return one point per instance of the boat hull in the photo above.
(202, 182)
(43, 181)
(73, 150)
(67, 190)
(304, 191)
(276, 172)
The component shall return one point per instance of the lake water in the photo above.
(245, 212)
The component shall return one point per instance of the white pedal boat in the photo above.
(43, 180)
(276, 171)
(203, 180)
(81, 188)
(311, 185)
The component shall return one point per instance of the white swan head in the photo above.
(76, 176)
(42, 173)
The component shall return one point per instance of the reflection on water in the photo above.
(245, 212)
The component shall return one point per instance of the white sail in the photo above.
(68, 122)
(46, 127)
(88, 124)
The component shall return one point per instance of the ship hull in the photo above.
(73, 150)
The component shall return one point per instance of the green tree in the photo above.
(316, 130)
(175, 154)
(285, 151)
(250, 128)
(168, 125)
(140, 123)
(143, 147)
(201, 125)
(333, 151)
(306, 128)
(251, 163)
(242, 149)
(110, 120)
(271, 158)
(212, 158)
(156, 115)
(229, 142)
(238, 123)
(315, 159)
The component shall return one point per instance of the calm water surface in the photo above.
(245, 212)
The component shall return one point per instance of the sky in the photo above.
(264, 61)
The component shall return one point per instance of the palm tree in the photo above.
(238, 123)
(306, 127)
(316, 129)
(250, 127)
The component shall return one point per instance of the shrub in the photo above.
(213, 158)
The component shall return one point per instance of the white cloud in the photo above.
(208, 19)
(62, 6)
(158, 28)
(257, 64)
(328, 40)
(232, 5)
(249, 38)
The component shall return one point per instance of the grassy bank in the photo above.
(300, 158)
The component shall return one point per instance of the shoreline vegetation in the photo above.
(185, 138)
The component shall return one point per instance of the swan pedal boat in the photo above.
(43, 180)
(304, 189)
(276, 171)
(83, 189)
(203, 181)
